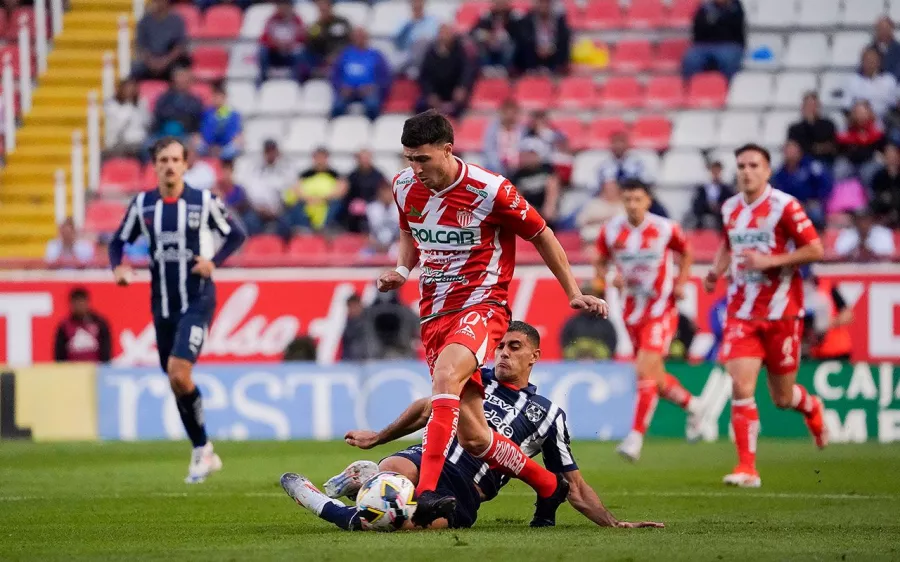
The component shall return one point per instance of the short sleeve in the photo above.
(404, 224)
(678, 241)
(219, 217)
(602, 248)
(130, 228)
(797, 225)
(556, 449)
(512, 211)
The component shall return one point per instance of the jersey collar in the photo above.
(463, 172)
(766, 192)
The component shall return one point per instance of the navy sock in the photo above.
(347, 518)
(190, 407)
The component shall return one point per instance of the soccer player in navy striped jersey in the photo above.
(512, 407)
(178, 222)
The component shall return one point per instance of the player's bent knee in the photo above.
(475, 443)
(400, 465)
(782, 400)
(180, 379)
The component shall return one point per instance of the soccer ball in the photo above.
(385, 501)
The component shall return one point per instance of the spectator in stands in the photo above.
(656, 207)
(267, 178)
(178, 110)
(495, 35)
(363, 185)
(536, 180)
(887, 46)
(161, 43)
(200, 174)
(315, 201)
(859, 145)
(127, 120)
(83, 336)
(871, 84)
(232, 194)
(415, 37)
(886, 188)
(555, 147)
(503, 138)
(598, 211)
(865, 241)
(395, 327)
(281, 43)
(544, 39)
(719, 37)
(220, 127)
(806, 179)
(706, 207)
(356, 338)
(68, 249)
(586, 336)
(383, 216)
(360, 74)
(327, 37)
(623, 165)
(447, 74)
(816, 134)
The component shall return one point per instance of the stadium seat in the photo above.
(469, 135)
(650, 131)
(307, 11)
(386, 132)
(586, 168)
(632, 56)
(831, 88)
(749, 90)
(255, 19)
(577, 92)
(220, 22)
(646, 14)
(573, 128)
(707, 90)
(820, 14)
(847, 48)
(736, 129)
(150, 90)
(676, 200)
(13, 51)
(308, 245)
(305, 134)
(764, 51)
(861, 13)
(387, 17)
(603, 14)
(349, 244)
(209, 63)
(694, 129)
(726, 157)
(403, 96)
(575, 14)
(349, 133)
(357, 13)
(683, 168)
(242, 97)
(807, 50)
(242, 62)
(469, 13)
(650, 159)
(780, 14)
(489, 93)
(664, 92)
(257, 131)
(263, 245)
(103, 216)
(120, 175)
(534, 92)
(601, 129)
(681, 13)
(894, 9)
(791, 86)
(316, 98)
(191, 16)
(775, 126)
(621, 92)
(278, 97)
(389, 164)
(203, 91)
(669, 54)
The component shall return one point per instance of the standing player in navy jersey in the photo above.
(178, 222)
(512, 407)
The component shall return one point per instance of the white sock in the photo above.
(693, 406)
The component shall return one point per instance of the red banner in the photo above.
(260, 311)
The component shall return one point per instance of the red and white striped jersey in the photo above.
(466, 237)
(643, 256)
(773, 224)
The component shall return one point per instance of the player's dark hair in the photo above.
(752, 146)
(529, 331)
(78, 293)
(429, 127)
(166, 142)
(633, 184)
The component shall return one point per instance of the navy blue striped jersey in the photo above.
(533, 422)
(178, 231)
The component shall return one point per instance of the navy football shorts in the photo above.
(452, 483)
(182, 335)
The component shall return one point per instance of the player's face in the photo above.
(637, 202)
(170, 165)
(752, 171)
(514, 358)
(432, 164)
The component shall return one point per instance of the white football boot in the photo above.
(304, 492)
(204, 461)
(350, 480)
(696, 418)
(743, 477)
(630, 447)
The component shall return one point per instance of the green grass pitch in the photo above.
(127, 501)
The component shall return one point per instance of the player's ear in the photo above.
(448, 149)
(535, 356)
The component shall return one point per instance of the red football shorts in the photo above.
(776, 342)
(478, 328)
(654, 334)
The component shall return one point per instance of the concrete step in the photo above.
(113, 6)
(47, 134)
(72, 116)
(25, 212)
(61, 58)
(19, 248)
(29, 174)
(74, 76)
(73, 38)
(26, 194)
(98, 20)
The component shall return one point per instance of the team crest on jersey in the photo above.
(534, 412)
(193, 219)
(464, 218)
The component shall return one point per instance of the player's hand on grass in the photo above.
(709, 282)
(123, 275)
(590, 304)
(639, 525)
(203, 267)
(362, 438)
(389, 281)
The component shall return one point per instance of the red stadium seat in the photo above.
(13, 51)
(220, 22)
(534, 92)
(402, 98)
(665, 92)
(215, 164)
(11, 29)
(264, 245)
(469, 13)
(651, 131)
(569, 240)
(602, 129)
(526, 252)
(632, 56)
(308, 245)
(646, 14)
(669, 54)
(621, 92)
(203, 91)
(575, 15)
(469, 134)
(574, 130)
(191, 16)
(120, 175)
(603, 14)
(681, 13)
(705, 243)
(707, 90)
(489, 93)
(577, 92)
(209, 63)
(103, 216)
(148, 180)
(349, 244)
(150, 90)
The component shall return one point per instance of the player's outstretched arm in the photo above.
(554, 256)
(414, 418)
(587, 502)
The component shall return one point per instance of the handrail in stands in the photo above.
(56, 16)
(9, 104)
(59, 195)
(124, 47)
(93, 141)
(78, 209)
(25, 83)
(40, 32)
(108, 77)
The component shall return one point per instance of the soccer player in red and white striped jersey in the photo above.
(459, 222)
(642, 246)
(767, 237)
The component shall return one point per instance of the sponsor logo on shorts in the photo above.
(429, 276)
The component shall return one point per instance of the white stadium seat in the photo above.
(676, 200)
(586, 168)
(242, 96)
(847, 47)
(388, 164)
(257, 131)
(683, 168)
(386, 133)
(255, 19)
(774, 13)
(750, 90)
(729, 163)
(694, 129)
(343, 163)
(306, 134)
(807, 50)
(243, 61)
(387, 17)
(278, 97)
(392, 55)
(894, 9)
(861, 13)
(791, 86)
(308, 12)
(775, 126)
(349, 133)
(357, 13)
(832, 87)
(819, 14)
(736, 129)
(651, 161)
(764, 51)
(316, 98)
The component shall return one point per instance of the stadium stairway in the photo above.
(44, 142)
